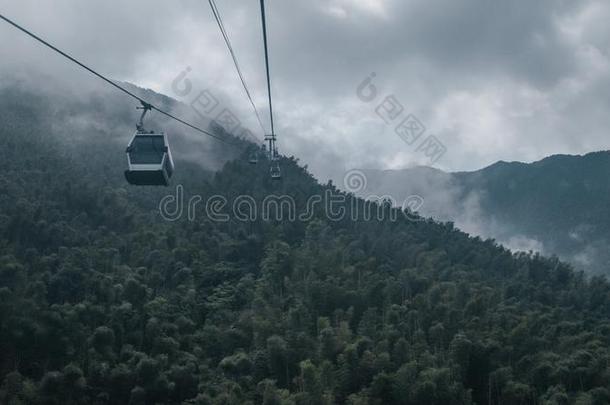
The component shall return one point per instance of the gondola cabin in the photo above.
(275, 172)
(253, 158)
(149, 160)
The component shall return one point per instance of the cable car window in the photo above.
(147, 150)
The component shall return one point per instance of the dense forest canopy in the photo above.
(104, 302)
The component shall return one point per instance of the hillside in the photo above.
(104, 302)
(557, 206)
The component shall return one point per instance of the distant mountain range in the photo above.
(557, 206)
(103, 300)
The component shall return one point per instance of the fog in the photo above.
(514, 81)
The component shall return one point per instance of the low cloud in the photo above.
(506, 80)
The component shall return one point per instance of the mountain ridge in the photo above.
(557, 202)
(135, 309)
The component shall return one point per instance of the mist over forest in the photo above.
(238, 205)
(556, 206)
(135, 309)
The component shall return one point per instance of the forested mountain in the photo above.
(558, 205)
(104, 302)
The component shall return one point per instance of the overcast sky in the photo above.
(491, 80)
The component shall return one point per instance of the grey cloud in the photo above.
(493, 80)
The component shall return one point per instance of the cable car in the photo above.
(275, 171)
(253, 158)
(149, 158)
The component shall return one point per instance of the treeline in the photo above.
(103, 302)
